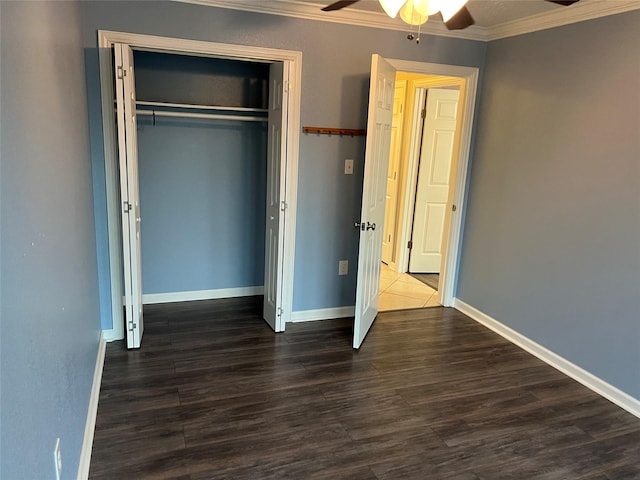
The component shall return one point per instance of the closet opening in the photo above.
(202, 162)
(203, 166)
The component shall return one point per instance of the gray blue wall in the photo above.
(552, 234)
(336, 64)
(49, 305)
(202, 181)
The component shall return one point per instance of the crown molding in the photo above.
(362, 18)
(585, 10)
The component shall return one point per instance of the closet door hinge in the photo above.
(283, 206)
(409, 244)
(121, 72)
(279, 312)
(453, 208)
(423, 113)
(132, 326)
(127, 207)
(287, 86)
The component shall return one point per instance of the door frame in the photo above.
(292, 60)
(468, 78)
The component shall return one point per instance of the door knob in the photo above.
(364, 226)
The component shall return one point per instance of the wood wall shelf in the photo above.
(334, 131)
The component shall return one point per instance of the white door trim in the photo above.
(468, 91)
(292, 59)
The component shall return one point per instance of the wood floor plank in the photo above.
(214, 394)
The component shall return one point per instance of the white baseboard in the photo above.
(112, 335)
(90, 426)
(322, 314)
(608, 391)
(151, 298)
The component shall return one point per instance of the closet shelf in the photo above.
(200, 107)
(211, 116)
(165, 109)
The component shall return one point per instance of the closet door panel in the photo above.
(276, 204)
(128, 153)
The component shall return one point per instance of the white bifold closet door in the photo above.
(374, 192)
(276, 205)
(129, 193)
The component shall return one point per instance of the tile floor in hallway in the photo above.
(399, 291)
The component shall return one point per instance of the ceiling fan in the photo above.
(454, 13)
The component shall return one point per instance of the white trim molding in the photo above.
(356, 17)
(322, 314)
(589, 380)
(579, 12)
(153, 298)
(112, 335)
(90, 425)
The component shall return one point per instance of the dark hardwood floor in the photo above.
(215, 394)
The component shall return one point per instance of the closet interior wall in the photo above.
(202, 177)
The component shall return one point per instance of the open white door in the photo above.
(371, 224)
(128, 153)
(276, 204)
(432, 192)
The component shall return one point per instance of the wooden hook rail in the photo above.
(334, 131)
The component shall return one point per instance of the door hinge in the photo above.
(283, 206)
(287, 86)
(409, 244)
(132, 326)
(423, 113)
(127, 207)
(121, 72)
(279, 311)
(453, 208)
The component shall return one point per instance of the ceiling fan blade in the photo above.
(460, 20)
(339, 5)
(566, 3)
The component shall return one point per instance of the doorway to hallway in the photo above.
(426, 112)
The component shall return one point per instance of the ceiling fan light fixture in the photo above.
(409, 14)
(426, 7)
(392, 7)
(449, 8)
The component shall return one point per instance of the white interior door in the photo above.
(128, 156)
(276, 204)
(371, 225)
(433, 180)
(393, 175)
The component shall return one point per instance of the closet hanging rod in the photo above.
(201, 107)
(212, 116)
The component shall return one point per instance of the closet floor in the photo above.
(214, 394)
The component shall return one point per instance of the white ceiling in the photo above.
(494, 19)
(488, 13)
